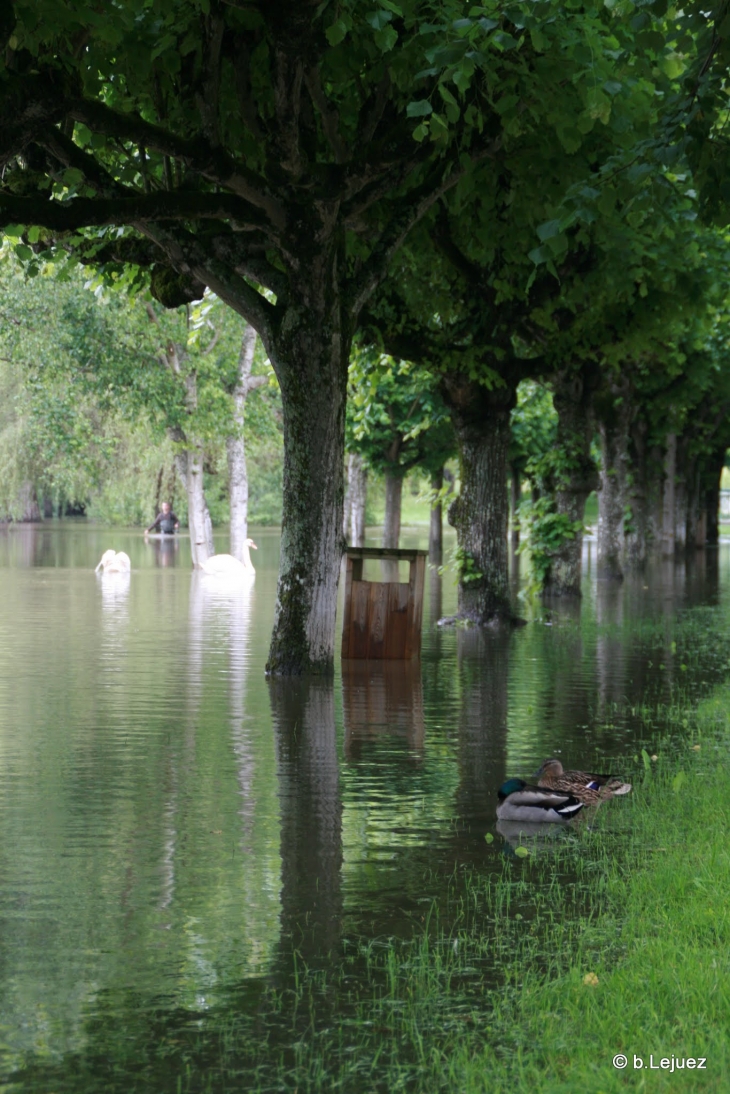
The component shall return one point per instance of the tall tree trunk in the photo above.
(310, 353)
(236, 450)
(669, 507)
(655, 499)
(393, 500)
(682, 490)
(573, 484)
(357, 496)
(436, 526)
(515, 497)
(712, 495)
(480, 514)
(189, 464)
(28, 507)
(613, 497)
(637, 533)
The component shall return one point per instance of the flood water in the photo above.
(173, 825)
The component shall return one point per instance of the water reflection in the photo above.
(382, 697)
(303, 716)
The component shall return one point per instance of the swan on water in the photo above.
(227, 564)
(114, 562)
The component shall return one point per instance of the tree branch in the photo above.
(66, 216)
(328, 113)
(213, 164)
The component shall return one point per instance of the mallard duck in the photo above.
(520, 802)
(589, 788)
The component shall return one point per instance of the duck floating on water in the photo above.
(114, 562)
(518, 801)
(591, 789)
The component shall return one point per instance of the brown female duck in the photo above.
(583, 785)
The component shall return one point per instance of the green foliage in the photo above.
(534, 425)
(396, 418)
(548, 531)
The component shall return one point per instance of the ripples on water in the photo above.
(171, 822)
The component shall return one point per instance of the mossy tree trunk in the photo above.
(480, 514)
(574, 479)
(309, 352)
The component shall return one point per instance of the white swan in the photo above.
(114, 562)
(228, 565)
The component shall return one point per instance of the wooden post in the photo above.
(382, 619)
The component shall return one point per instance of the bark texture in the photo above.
(574, 481)
(356, 500)
(480, 514)
(236, 450)
(310, 355)
(28, 506)
(189, 464)
(393, 500)
(615, 413)
(515, 497)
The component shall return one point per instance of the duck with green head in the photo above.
(520, 802)
(588, 788)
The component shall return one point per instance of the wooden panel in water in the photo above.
(378, 620)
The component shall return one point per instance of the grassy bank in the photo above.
(611, 939)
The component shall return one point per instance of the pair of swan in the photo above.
(118, 562)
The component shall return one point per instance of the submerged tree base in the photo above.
(499, 619)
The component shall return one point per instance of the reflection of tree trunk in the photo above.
(435, 596)
(311, 814)
(236, 449)
(483, 665)
(611, 649)
(355, 500)
(436, 526)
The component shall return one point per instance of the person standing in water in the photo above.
(166, 521)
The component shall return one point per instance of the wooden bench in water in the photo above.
(383, 618)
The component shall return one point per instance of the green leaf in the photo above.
(34, 234)
(521, 851)
(549, 229)
(379, 19)
(386, 39)
(489, 837)
(336, 33)
(678, 781)
(421, 108)
(24, 253)
(647, 759)
(14, 231)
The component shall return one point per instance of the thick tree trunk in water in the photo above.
(310, 354)
(236, 450)
(480, 514)
(575, 432)
(515, 497)
(669, 510)
(682, 490)
(436, 526)
(393, 499)
(654, 498)
(28, 507)
(189, 464)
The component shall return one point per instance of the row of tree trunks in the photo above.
(574, 482)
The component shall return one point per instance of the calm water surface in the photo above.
(171, 823)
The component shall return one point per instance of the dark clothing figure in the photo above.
(166, 522)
